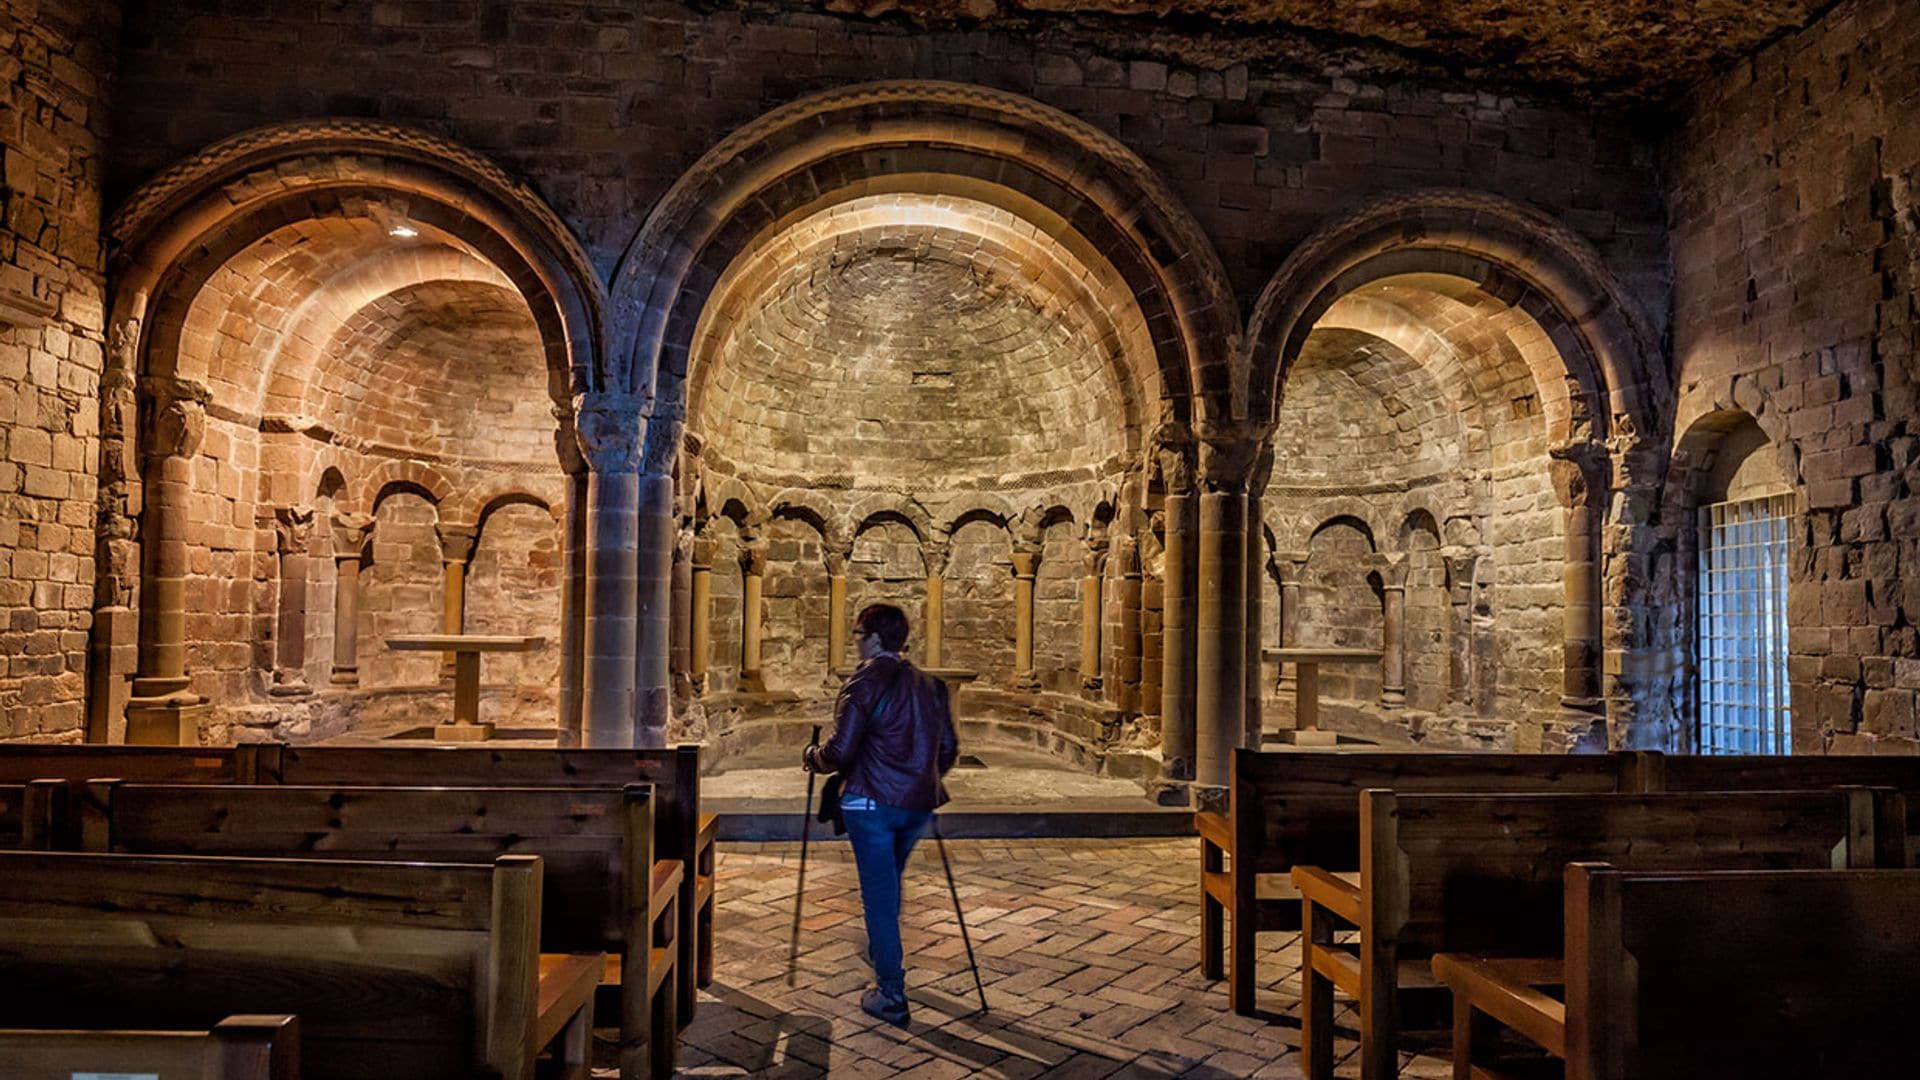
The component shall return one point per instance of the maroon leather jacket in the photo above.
(892, 735)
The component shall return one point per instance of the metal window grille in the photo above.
(1741, 627)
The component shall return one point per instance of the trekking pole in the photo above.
(959, 916)
(800, 890)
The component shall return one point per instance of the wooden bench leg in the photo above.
(1316, 996)
(1467, 1023)
(664, 1036)
(704, 931)
(1243, 936)
(1212, 916)
(1379, 1015)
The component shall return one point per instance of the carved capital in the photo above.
(607, 428)
(456, 542)
(1228, 455)
(661, 446)
(1580, 472)
(703, 553)
(350, 532)
(753, 558)
(1393, 570)
(1096, 558)
(936, 553)
(178, 418)
(1172, 457)
(1026, 562)
(293, 528)
(1127, 550)
(836, 563)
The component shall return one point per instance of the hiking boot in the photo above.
(881, 1005)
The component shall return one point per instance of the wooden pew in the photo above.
(238, 1048)
(1483, 874)
(161, 764)
(604, 889)
(1654, 771)
(1288, 809)
(415, 971)
(683, 832)
(1763, 975)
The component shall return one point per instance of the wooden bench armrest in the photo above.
(566, 987)
(709, 828)
(1215, 829)
(1330, 891)
(667, 876)
(1505, 988)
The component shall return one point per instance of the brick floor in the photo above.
(1088, 949)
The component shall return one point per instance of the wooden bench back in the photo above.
(13, 815)
(238, 1048)
(674, 773)
(1292, 809)
(596, 843)
(397, 971)
(161, 764)
(1760, 975)
(1484, 873)
(1763, 772)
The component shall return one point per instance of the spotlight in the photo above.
(404, 232)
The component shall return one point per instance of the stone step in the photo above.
(756, 820)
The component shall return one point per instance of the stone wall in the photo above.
(604, 104)
(55, 65)
(1796, 249)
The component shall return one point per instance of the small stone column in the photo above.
(456, 547)
(1460, 571)
(753, 567)
(1580, 478)
(572, 516)
(1026, 563)
(1256, 690)
(837, 627)
(1090, 612)
(936, 560)
(1292, 567)
(608, 429)
(292, 530)
(1178, 734)
(681, 648)
(1124, 689)
(1220, 620)
(653, 594)
(1393, 633)
(163, 709)
(350, 535)
(700, 614)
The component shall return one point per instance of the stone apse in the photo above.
(922, 342)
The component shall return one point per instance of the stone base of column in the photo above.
(292, 684)
(165, 721)
(753, 682)
(345, 677)
(1166, 792)
(1209, 798)
(1393, 699)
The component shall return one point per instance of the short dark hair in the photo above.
(887, 621)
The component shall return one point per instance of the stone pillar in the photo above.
(653, 628)
(350, 535)
(292, 531)
(936, 630)
(1220, 623)
(1177, 730)
(163, 709)
(1292, 568)
(608, 428)
(1393, 633)
(681, 648)
(1124, 689)
(1026, 561)
(1256, 690)
(573, 596)
(1580, 478)
(1152, 558)
(753, 571)
(1090, 612)
(700, 614)
(837, 658)
(456, 547)
(1460, 571)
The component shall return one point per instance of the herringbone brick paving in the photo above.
(1088, 949)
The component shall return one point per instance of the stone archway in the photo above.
(996, 200)
(276, 300)
(1512, 315)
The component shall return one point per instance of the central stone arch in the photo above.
(1092, 235)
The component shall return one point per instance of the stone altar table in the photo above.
(466, 650)
(1306, 701)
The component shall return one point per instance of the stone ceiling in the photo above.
(1619, 50)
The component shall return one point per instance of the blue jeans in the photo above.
(883, 836)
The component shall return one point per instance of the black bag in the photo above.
(830, 812)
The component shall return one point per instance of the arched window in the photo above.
(1740, 610)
